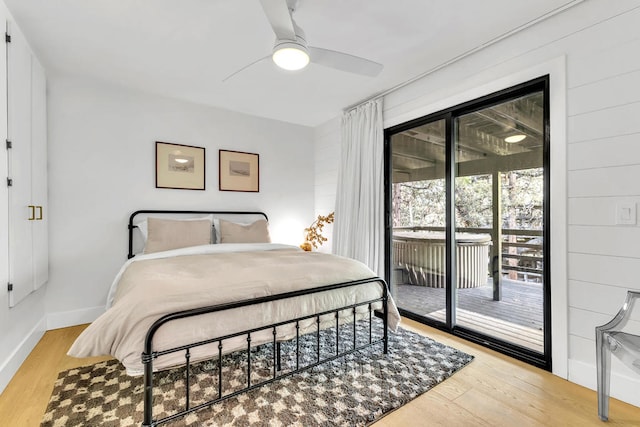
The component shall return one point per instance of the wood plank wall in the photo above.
(601, 44)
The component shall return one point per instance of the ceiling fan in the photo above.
(291, 52)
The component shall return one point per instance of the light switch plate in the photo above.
(626, 214)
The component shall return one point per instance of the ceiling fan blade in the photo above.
(279, 17)
(244, 68)
(344, 62)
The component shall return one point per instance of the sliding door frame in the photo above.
(543, 360)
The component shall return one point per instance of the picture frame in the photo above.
(239, 171)
(180, 166)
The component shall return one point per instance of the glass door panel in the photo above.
(499, 205)
(418, 220)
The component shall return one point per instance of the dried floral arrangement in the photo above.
(313, 234)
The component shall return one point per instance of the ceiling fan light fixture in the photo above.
(290, 56)
(514, 138)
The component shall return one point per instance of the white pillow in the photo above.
(216, 230)
(144, 228)
(167, 234)
(256, 232)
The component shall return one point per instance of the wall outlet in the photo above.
(626, 214)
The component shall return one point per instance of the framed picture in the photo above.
(239, 171)
(180, 166)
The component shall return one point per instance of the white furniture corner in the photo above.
(27, 168)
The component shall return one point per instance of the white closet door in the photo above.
(19, 132)
(39, 174)
(4, 172)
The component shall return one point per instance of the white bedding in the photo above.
(149, 286)
(196, 250)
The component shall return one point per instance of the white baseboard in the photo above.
(622, 387)
(51, 321)
(11, 365)
(63, 319)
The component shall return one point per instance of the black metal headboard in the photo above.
(131, 226)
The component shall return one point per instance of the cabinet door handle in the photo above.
(39, 218)
(32, 212)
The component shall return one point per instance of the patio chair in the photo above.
(626, 346)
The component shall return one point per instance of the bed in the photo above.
(201, 284)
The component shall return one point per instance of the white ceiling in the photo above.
(185, 48)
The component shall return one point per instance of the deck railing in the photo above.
(522, 254)
(521, 251)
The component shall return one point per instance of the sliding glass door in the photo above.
(467, 203)
(419, 213)
(499, 197)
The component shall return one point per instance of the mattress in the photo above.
(150, 286)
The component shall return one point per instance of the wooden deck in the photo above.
(517, 318)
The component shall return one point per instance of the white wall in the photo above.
(327, 159)
(102, 168)
(598, 154)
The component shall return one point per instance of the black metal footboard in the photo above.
(149, 355)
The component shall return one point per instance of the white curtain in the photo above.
(358, 230)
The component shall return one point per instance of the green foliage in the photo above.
(422, 203)
(522, 199)
(419, 203)
(473, 202)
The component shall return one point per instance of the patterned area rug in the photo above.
(353, 390)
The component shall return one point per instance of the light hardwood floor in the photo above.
(493, 390)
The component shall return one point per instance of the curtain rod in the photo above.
(463, 55)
